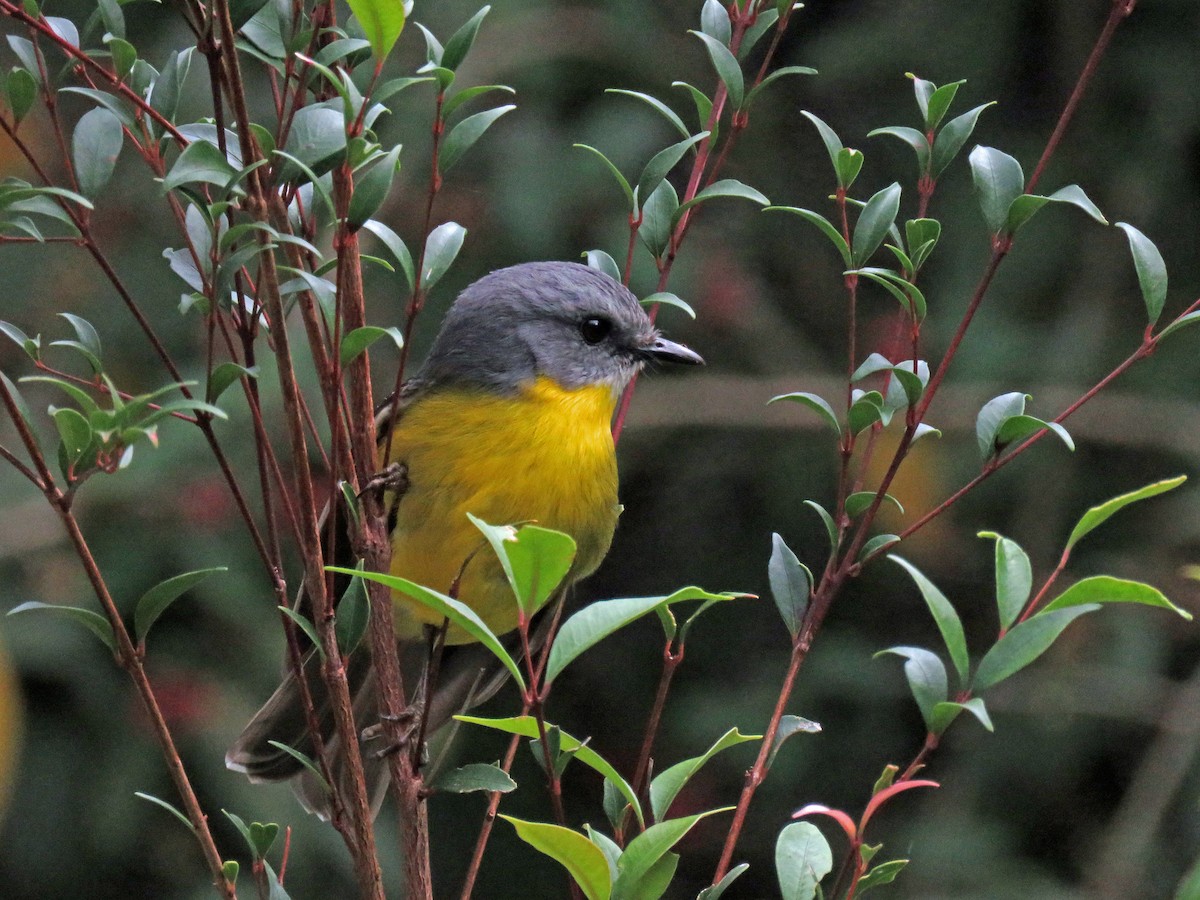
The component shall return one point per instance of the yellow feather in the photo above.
(545, 456)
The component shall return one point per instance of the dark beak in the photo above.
(668, 351)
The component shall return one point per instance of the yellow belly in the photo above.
(544, 456)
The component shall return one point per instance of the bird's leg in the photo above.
(393, 478)
(409, 717)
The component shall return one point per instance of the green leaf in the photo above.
(150, 798)
(802, 859)
(225, 375)
(583, 860)
(873, 223)
(1016, 428)
(358, 340)
(317, 140)
(244, 830)
(946, 712)
(714, 891)
(666, 298)
(1014, 578)
(540, 559)
(1024, 206)
(714, 21)
(457, 612)
(788, 726)
(80, 396)
(657, 105)
(110, 102)
(915, 139)
(461, 41)
(597, 621)
(876, 544)
(352, 613)
(860, 501)
(31, 346)
(464, 135)
(827, 519)
(95, 145)
(199, 163)
(951, 139)
(168, 86)
(645, 851)
(663, 162)
(22, 406)
(602, 262)
(873, 365)
(939, 102)
(944, 615)
(833, 144)
(726, 187)
(381, 21)
(304, 761)
(999, 181)
(155, 601)
(1106, 589)
(396, 247)
(992, 416)
(124, 55)
(702, 102)
(242, 11)
(471, 93)
(665, 786)
(609, 847)
(849, 164)
(89, 340)
(441, 249)
(305, 625)
(475, 777)
(884, 873)
(926, 677)
(1098, 515)
(658, 217)
(781, 72)
(907, 294)
(924, 430)
(75, 432)
(527, 726)
(865, 410)
(818, 404)
(372, 189)
(766, 20)
(791, 584)
(616, 174)
(1073, 194)
(433, 47)
(1150, 268)
(263, 836)
(92, 621)
(1024, 643)
(923, 90)
(1181, 322)
(21, 88)
(824, 226)
(353, 50)
(727, 68)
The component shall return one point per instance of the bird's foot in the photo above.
(393, 478)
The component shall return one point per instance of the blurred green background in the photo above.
(1089, 787)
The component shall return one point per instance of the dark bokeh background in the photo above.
(1090, 785)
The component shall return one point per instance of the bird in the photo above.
(508, 420)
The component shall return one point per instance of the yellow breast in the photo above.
(545, 455)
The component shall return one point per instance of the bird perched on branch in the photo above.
(509, 420)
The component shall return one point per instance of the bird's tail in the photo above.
(468, 675)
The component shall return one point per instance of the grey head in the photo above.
(558, 319)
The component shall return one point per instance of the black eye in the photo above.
(595, 330)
